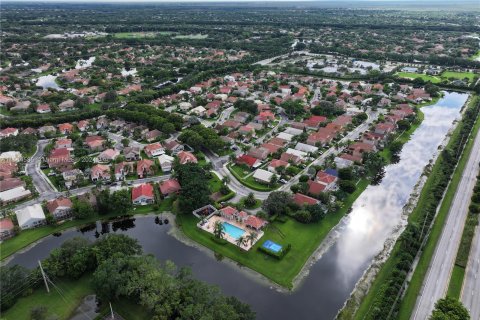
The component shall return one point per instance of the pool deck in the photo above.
(209, 226)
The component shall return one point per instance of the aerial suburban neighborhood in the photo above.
(251, 161)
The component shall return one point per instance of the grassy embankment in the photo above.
(304, 239)
(417, 280)
(241, 175)
(437, 79)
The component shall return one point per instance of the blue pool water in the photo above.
(233, 231)
(272, 246)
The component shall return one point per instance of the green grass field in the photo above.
(73, 292)
(304, 239)
(437, 79)
(239, 173)
(412, 75)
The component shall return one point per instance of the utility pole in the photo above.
(44, 276)
(111, 310)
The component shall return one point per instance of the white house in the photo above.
(285, 136)
(11, 156)
(199, 111)
(263, 176)
(305, 147)
(30, 217)
(298, 153)
(166, 162)
(293, 131)
(14, 194)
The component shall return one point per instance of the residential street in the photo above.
(471, 283)
(32, 169)
(437, 279)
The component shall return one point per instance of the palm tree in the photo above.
(218, 230)
(241, 241)
(252, 236)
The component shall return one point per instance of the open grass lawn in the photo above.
(239, 170)
(458, 75)
(73, 291)
(304, 239)
(412, 75)
(437, 79)
(214, 183)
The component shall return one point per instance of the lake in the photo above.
(331, 279)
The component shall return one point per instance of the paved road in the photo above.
(471, 285)
(32, 169)
(437, 279)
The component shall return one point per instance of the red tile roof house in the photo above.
(60, 158)
(108, 155)
(65, 128)
(7, 132)
(265, 116)
(145, 168)
(320, 138)
(6, 229)
(10, 183)
(174, 146)
(272, 148)
(186, 157)
(328, 180)
(373, 138)
(384, 128)
(278, 141)
(275, 163)
(315, 188)
(94, 143)
(43, 108)
(291, 158)
(82, 125)
(142, 194)
(100, 172)
(246, 130)
(228, 213)
(247, 160)
(60, 208)
(122, 169)
(169, 187)
(63, 143)
(7, 169)
(259, 153)
(301, 199)
(314, 121)
(359, 148)
(152, 135)
(255, 222)
(154, 149)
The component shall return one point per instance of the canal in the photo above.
(330, 281)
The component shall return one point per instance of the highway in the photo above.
(471, 284)
(437, 279)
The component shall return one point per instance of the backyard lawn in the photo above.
(73, 292)
(437, 79)
(412, 75)
(304, 239)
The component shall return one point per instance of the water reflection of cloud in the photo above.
(378, 210)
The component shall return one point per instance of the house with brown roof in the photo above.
(60, 208)
(63, 143)
(152, 135)
(145, 168)
(11, 183)
(301, 200)
(6, 228)
(60, 159)
(94, 143)
(154, 149)
(108, 155)
(174, 147)
(122, 169)
(169, 187)
(65, 128)
(100, 172)
(259, 153)
(186, 157)
(315, 188)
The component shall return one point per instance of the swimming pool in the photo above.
(272, 246)
(233, 231)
